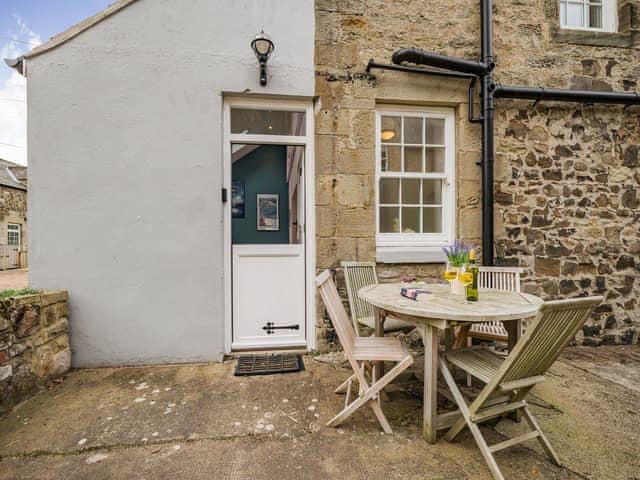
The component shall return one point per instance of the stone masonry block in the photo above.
(355, 222)
(325, 221)
(325, 154)
(324, 190)
(354, 190)
(54, 296)
(356, 161)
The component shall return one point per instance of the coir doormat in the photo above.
(268, 364)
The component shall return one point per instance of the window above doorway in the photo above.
(415, 194)
(253, 121)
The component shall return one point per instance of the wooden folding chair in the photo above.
(356, 276)
(499, 278)
(509, 381)
(361, 353)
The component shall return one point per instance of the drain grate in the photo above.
(268, 364)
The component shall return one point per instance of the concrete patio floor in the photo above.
(199, 421)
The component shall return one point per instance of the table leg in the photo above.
(431, 340)
(378, 367)
(449, 338)
(514, 329)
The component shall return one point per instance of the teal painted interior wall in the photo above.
(264, 171)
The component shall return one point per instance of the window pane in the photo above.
(411, 191)
(431, 220)
(595, 16)
(389, 221)
(413, 159)
(390, 158)
(267, 122)
(563, 13)
(435, 159)
(390, 130)
(389, 190)
(435, 131)
(575, 13)
(413, 130)
(431, 192)
(410, 220)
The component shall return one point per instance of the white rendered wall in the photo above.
(125, 168)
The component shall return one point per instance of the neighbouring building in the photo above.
(13, 215)
(194, 201)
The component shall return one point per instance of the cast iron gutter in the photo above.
(420, 57)
(553, 94)
(424, 71)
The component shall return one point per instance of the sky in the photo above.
(25, 24)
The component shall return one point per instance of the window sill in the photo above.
(592, 38)
(410, 254)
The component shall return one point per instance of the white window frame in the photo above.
(418, 247)
(609, 16)
(18, 230)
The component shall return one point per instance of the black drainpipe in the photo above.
(483, 70)
(487, 133)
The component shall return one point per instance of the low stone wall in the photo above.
(34, 344)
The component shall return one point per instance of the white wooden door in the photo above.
(268, 286)
(268, 296)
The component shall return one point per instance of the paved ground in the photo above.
(199, 421)
(15, 279)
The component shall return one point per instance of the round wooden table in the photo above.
(436, 312)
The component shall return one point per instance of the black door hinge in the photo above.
(224, 195)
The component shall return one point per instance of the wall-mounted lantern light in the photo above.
(263, 47)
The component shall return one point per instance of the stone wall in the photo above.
(34, 344)
(566, 176)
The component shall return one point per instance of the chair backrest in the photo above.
(356, 276)
(336, 311)
(555, 325)
(500, 278)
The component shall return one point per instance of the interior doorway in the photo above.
(269, 242)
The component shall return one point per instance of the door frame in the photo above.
(307, 141)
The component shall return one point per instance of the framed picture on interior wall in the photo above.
(268, 212)
(237, 199)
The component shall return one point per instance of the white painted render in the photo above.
(125, 168)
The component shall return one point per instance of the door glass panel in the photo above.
(389, 219)
(267, 122)
(389, 190)
(267, 194)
